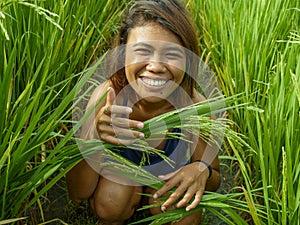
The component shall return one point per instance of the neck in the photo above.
(152, 109)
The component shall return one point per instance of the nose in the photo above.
(156, 66)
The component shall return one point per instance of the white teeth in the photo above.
(156, 83)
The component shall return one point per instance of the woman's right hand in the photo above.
(113, 123)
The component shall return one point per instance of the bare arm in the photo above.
(83, 179)
(193, 179)
(106, 124)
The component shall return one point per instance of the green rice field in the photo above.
(46, 52)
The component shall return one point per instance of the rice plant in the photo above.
(253, 47)
(44, 48)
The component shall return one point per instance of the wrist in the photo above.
(208, 166)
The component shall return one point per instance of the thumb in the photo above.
(167, 176)
(110, 98)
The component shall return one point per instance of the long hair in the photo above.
(170, 15)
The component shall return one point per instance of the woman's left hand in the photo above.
(190, 181)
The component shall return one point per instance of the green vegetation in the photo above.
(252, 46)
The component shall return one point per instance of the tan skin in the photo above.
(113, 201)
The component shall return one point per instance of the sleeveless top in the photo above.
(175, 149)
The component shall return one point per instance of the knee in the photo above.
(154, 210)
(105, 210)
(110, 211)
(78, 197)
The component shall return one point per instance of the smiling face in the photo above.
(155, 62)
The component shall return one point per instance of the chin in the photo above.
(154, 98)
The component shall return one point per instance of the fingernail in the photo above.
(141, 135)
(163, 208)
(140, 125)
(128, 110)
(187, 209)
(155, 196)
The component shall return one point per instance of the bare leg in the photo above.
(193, 219)
(114, 203)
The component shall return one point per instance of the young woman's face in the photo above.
(155, 62)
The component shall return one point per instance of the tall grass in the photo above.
(254, 48)
(44, 48)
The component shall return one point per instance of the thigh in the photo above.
(115, 200)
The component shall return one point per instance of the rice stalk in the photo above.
(41, 65)
(253, 46)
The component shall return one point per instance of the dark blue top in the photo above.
(136, 156)
(174, 148)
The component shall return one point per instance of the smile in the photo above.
(155, 83)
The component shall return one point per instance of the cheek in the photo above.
(128, 72)
(131, 70)
(178, 65)
(134, 58)
(133, 65)
(177, 68)
(178, 75)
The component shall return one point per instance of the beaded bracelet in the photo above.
(206, 164)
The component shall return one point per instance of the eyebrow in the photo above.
(143, 44)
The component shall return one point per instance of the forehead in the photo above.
(151, 33)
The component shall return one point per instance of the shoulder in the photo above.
(98, 93)
(197, 97)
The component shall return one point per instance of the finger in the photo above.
(178, 193)
(172, 199)
(106, 110)
(125, 133)
(168, 185)
(196, 201)
(122, 127)
(104, 116)
(105, 128)
(103, 124)
(117, 141)
(103, 119)
(110, 108)
(188, 196)
(110, 98)
(167, 176)
(107, 133)
(165, 188)
(126, 123)
(116, 110)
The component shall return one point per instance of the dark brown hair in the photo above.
(172, 16)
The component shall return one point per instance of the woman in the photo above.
(153, 71)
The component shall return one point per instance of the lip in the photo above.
(158, 83)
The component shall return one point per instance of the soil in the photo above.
(58, 209)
